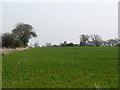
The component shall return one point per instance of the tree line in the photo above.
(19, 37)
(92, 40)
(95, 39)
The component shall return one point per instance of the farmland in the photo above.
(61, 67)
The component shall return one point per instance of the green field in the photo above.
(61, 67)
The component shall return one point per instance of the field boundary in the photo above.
(10, 50)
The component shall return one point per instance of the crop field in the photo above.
(61, 67)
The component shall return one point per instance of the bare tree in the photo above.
(84, 39)
(23, 32)
(96, 39)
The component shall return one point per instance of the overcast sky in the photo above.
(55, 22)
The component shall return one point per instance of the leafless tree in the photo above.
(97, 40)
(84, 39)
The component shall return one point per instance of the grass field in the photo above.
(61, 67)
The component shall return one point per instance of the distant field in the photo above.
(61, 67)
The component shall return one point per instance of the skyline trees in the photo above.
(19, 37)
(23, 32)
(84, 39)
(97, 40)
(8, 40)
(94, 38)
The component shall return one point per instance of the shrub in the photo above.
(18, 43)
